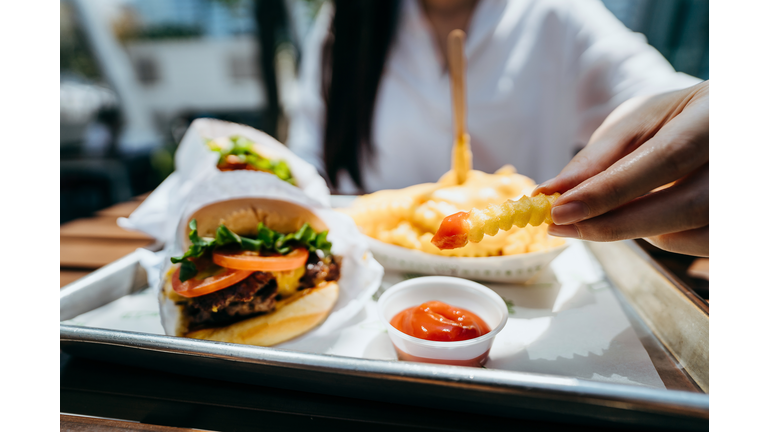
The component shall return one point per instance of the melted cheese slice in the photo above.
(288, 281)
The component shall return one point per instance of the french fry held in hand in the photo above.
(460, 228)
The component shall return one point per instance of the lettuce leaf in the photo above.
(266, 240)
(243, 148)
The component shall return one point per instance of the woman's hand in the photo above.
(612, 190)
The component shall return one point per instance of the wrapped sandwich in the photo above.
(257, 271)
(209, 147)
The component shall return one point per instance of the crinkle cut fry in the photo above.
(457, 229)
(389, 205)
(519, 213)
(374, 211)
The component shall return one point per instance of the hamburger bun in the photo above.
(292, 317)
(242, 216)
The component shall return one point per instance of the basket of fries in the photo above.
(400, 225)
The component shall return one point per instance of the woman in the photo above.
(542, 75)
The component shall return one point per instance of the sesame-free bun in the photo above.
(242, 216)
(292, 317)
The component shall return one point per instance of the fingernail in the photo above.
(563, 231)
(543, 185)
(571, 212)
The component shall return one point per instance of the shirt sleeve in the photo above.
(306, 130)
(610, 64)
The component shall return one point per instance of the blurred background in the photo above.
(135, 73)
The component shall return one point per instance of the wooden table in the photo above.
(89, 243)
(81, 424)
(122, 398)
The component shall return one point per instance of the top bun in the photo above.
(242, 216)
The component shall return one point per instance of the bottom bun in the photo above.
(292, 317)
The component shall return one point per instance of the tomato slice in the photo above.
(213, 279)
(254, 261)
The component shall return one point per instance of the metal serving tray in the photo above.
(672, 326)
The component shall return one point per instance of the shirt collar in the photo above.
(485, 18)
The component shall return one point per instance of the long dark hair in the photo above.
(353, 60)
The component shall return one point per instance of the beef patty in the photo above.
(253, 295)
(318, 270)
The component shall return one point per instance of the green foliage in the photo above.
(230, 3)
(161, 160)
(166, 31)
(75, 55)
(510, 306)
(314, 7)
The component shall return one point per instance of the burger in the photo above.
(240, 153)
(255, 271)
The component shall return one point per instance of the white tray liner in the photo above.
(567, 323)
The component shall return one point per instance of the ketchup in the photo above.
(437, 321)
(453, 232)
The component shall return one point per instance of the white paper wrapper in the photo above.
(159, 214)
(509, 268)
(360, 273)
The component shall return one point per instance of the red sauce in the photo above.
(453, 232)
(437, 321)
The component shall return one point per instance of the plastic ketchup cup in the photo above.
(461, 293)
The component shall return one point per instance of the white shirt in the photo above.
(542, 75)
